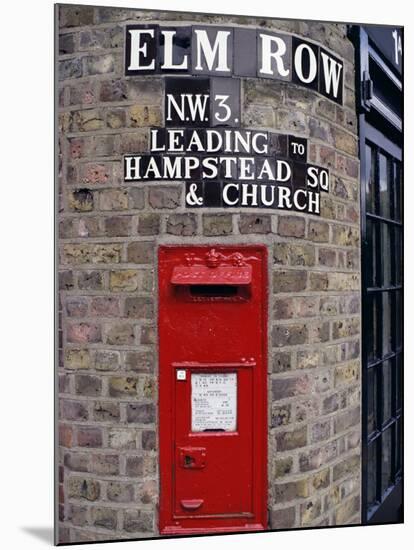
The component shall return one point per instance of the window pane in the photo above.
(370, 179)
(384, 187)
(385, 254)
(398, 320)
(397, 191)
(386, 391)
(372, 333)
(398, 255)
(386, 323)
(372, 399)
(372, 232)
(386, 471)
(398, 446)
(372, 474)
(398, 385)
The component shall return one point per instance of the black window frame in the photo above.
(380, 127)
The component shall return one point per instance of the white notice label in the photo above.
(214, 402)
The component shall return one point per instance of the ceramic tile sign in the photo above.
(230, 167)
(226, 51)
(202, 102)
(204, 143)
(187, 102)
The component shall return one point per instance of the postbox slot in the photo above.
(216, 291)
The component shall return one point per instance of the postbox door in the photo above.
(213, 442)
(212, 388)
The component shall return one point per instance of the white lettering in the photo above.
(168, 52)
(284, 198)
(246, 194)
(265, 146)
(246, 166)
(196, 103)
(296, 202)
(226, 196)
(154, 140)
(190, 164)
(266, 170)
(282, 165)
(332, 72)
(132, 167)
(137, 49)
(152, 170)
(229, 163)
(175, 144)
(210, 146)
(324, 180)
(264, 192)
(172, 168)
(268, 54)
(219, 49)
(171, 102)
(210, 164)
(312, 176)
(298, 148)
(198, 106)
(298, 61)
(313, 206)
(195, 141)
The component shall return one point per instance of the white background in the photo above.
(26, 271)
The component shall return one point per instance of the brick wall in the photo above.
(108, 235)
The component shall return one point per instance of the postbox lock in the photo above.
(192, 457)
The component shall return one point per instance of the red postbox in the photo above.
(212, 399)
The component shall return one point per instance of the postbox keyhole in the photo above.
(188, 460)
